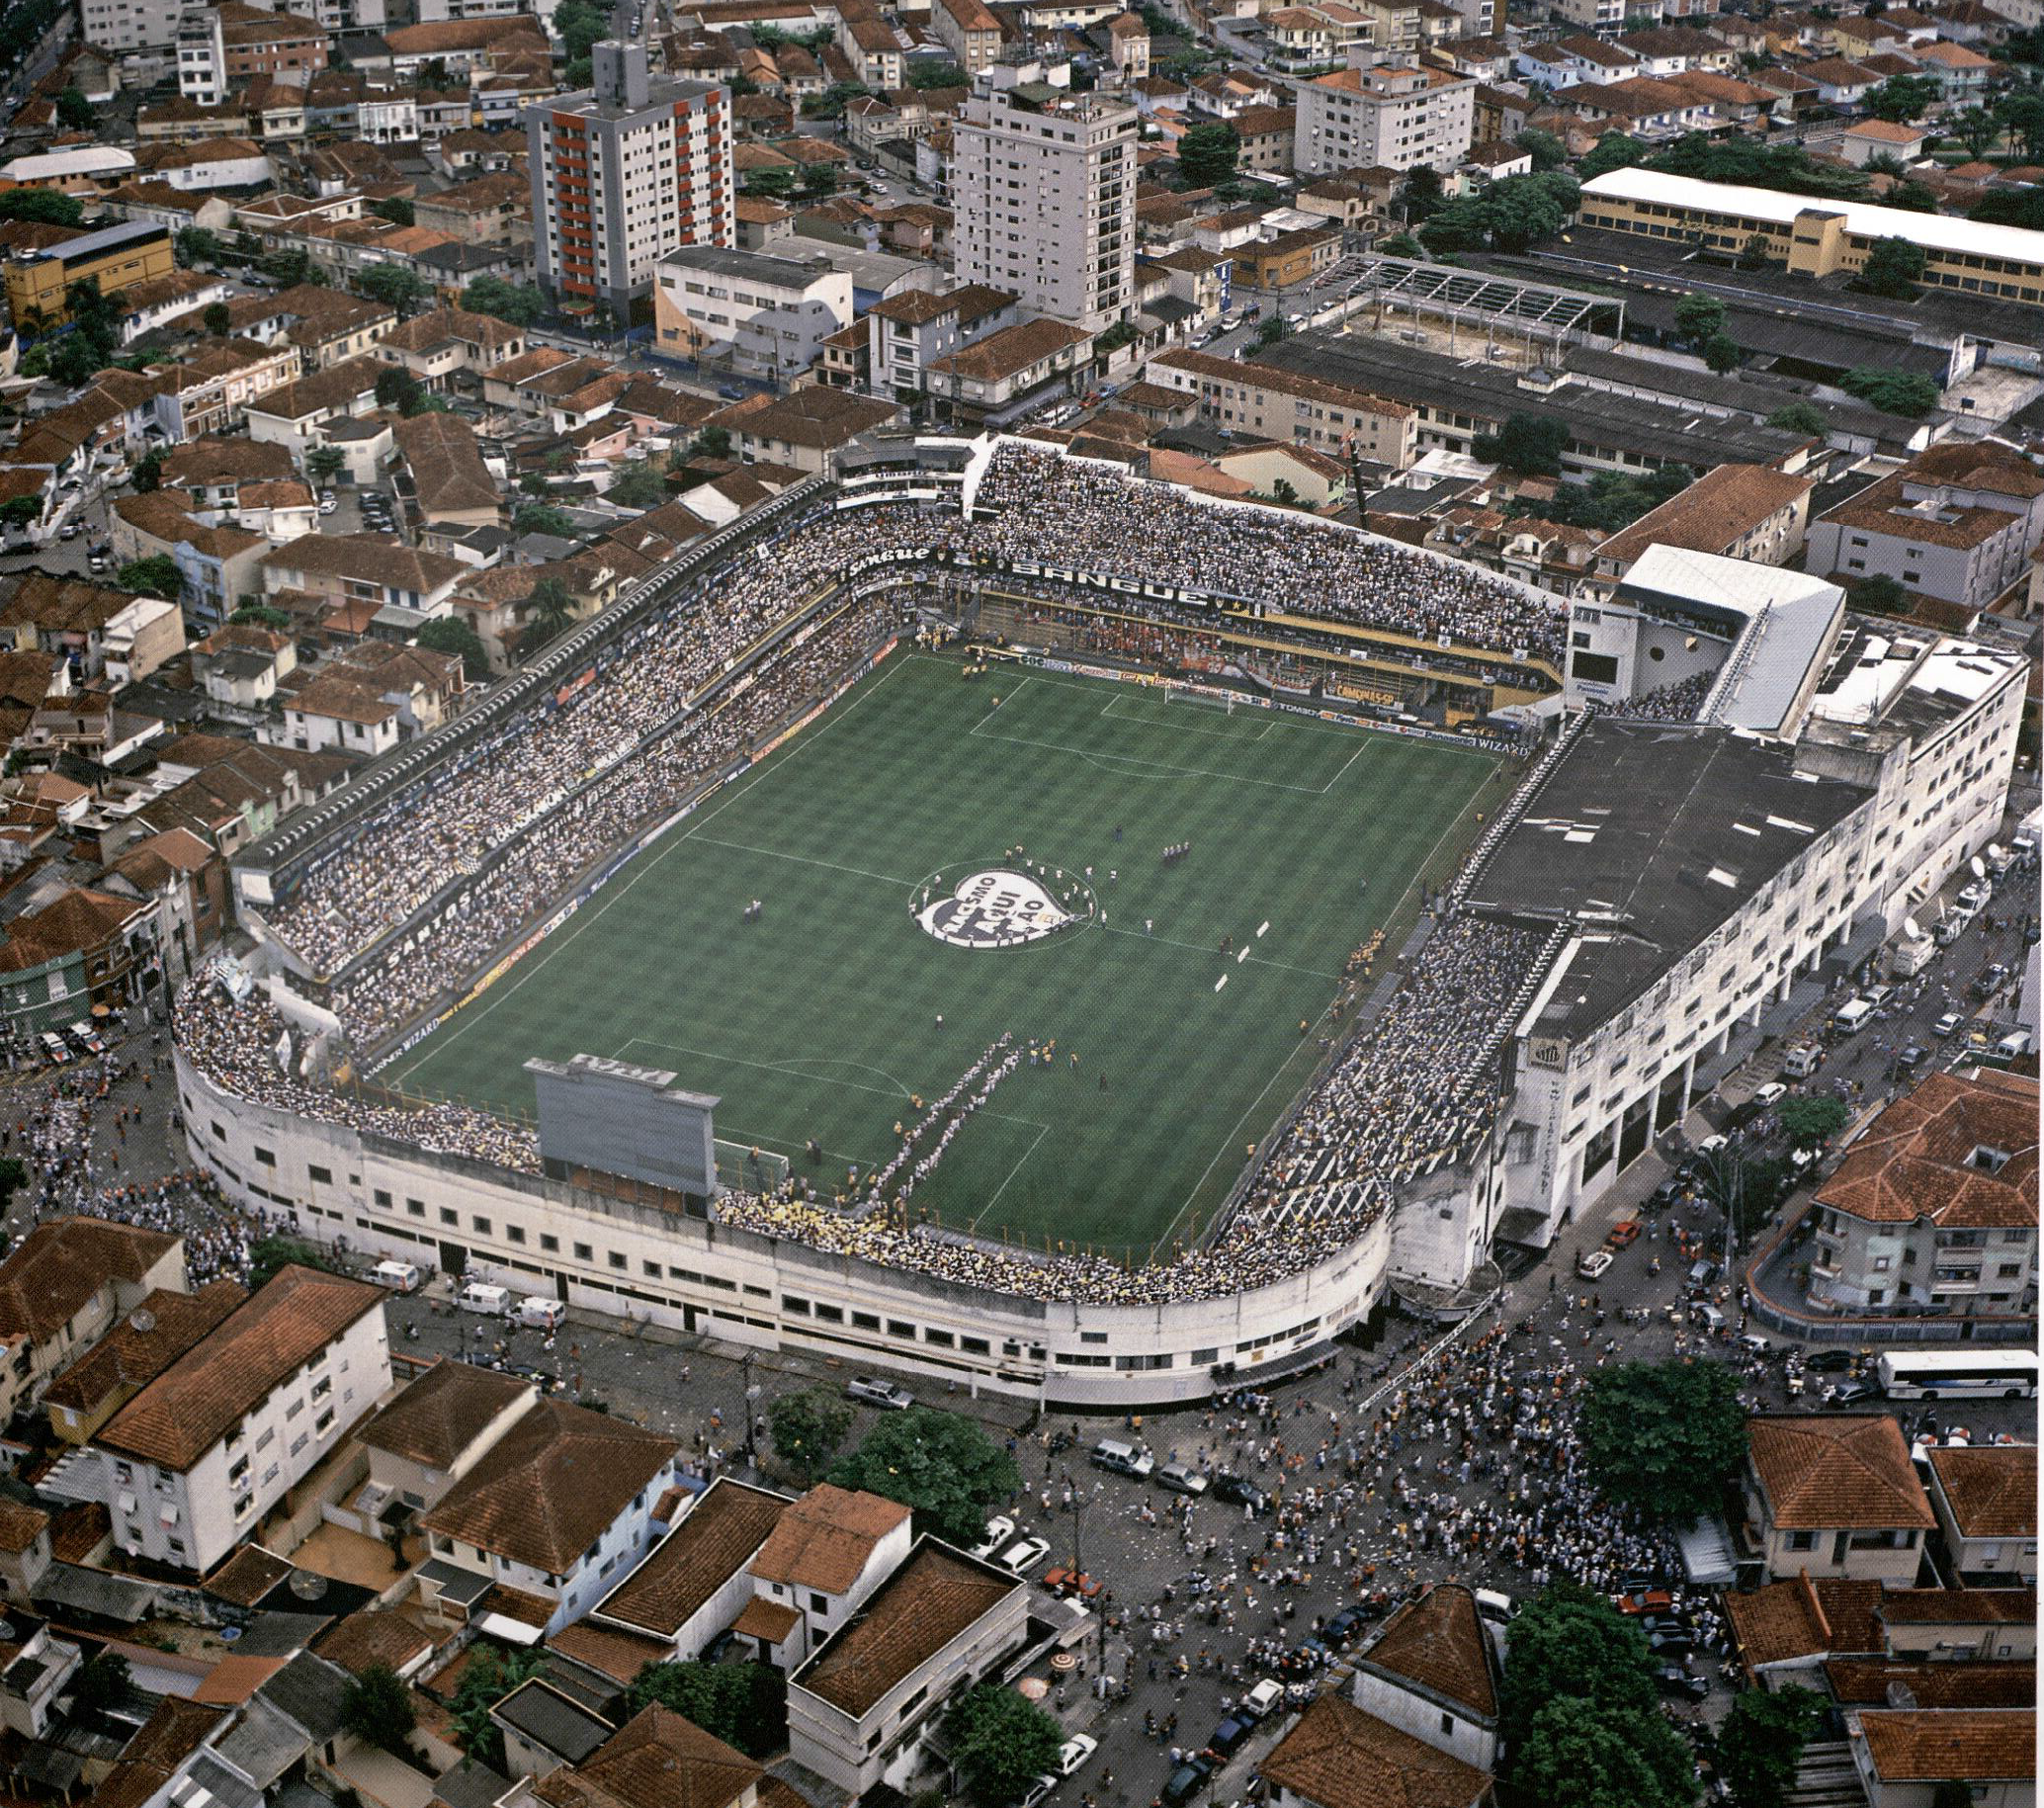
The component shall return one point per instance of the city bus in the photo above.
(1980, 1372)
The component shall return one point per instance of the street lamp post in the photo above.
(751, 1401)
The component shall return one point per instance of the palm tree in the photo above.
(550, 611)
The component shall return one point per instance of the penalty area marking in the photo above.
(1220, 981)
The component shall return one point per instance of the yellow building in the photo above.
(119, 256)
(1816, 237)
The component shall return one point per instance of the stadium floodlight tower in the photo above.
(618, 1128)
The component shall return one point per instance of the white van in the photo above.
(1852, 1018)
(476, 1297)
(543, 1312)
(399, 1276)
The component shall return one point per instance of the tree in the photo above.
(323, 464)
(2025, 209)
(74, 112)
(377, 1706)
(1508, 215)
(1546, 150)
(1756, 254)
(638, 485)
(1757, 1743)
(394, 285)
(806, 1427)
(46, 206)
(217, 319)
(157, 575)
(1284, 494)
(711, 443)
(544, 518)
(74, 360)
(1800, 417)
(1698, 317)
(492, 1673)
(397, 210)
(194, 245)
(102, 1680)
(1911, 197)
(518, 303)
(13, 1175)
(1879, 596)
(20, 511)
(1569, 1640)
(1721, 353)
(1759, 166)
(943, 1466)
(268, 1255)
(743, 1705)
(1574, 1756)
(1614, 150)
(1000, 1743)
(550, 610)
(1892, 269)
(1400, 244)
(1975, 128)
(1903, 98)
(1270, 329)
(261, 615)
(287, 268)
(1807, 1122)
(1663, 1436)
(1904, 392)
(1530, 444)
(2023, 116)
(147, 474)
(1209, 152)
(1421, 196)
(398, 389)
(450, 633)
(926, 74)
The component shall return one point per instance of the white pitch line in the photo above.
(1220, 981)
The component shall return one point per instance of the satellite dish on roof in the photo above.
(141, 1320)
(1908, 924)
(307, 1585)
(1979, 866)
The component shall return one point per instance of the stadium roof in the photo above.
(1934, 231)
(1791, 619)
(1649, 837)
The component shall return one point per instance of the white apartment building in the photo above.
(1604, 17)
(1043, 185)
(129, 25)
(625, 172)
(202, 57)
(188, 1468)
(769, 316)
(1382, 116)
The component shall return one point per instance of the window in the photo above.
(549, 1243)
(583, 1252)
(448, 1216)
(320, 1177)
(266, 1157)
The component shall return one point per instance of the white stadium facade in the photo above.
(1674, 877)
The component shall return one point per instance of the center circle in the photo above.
(1003, 903)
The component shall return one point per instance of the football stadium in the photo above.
(993, 915)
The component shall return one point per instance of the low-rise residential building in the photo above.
(1910, 1757)
(1862, 142)
(330, 408)
(1986, 1502)
(140, 1346)
(1291, 408)
(1387, 115)
(188, 1468)
(373, 697)
(450, 485)
(1958, 522)
(1433, 1673)
(366, 569)
(1735, 511)
(1935, 1207)
(907, 332)
(804, 428)
(764, 314)
(562, 1501)
(92, 628)
(1836, 1496)
(327, 325)
(940, 1623)
(699, 1579)
(1337, 1756)
(212, 389)
(1010, 370)
(823, 1559)
(450, 347)
(439, 1427)
(67, 1284)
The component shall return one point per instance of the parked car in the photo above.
(1020, 1558)
(1181, 1480)
(1239, 1491)
(1851, 1393)
(1771, 1094)
(1948, 1025)
(1593, 1263)
(1074, 1751)
(85, 1038)
(1111, 1454)
(1344, 1625)
(1073, 1585)
(1227, 1737)
(1266, 1697)
(1674, 1679)
(1911, 1057)
(1825, 1360)
(888, 1396)
(998, 1532)
(1623, 1234)
(54, 1048)
(1185, 1782)
(1672, 1638)
(1643, 1601)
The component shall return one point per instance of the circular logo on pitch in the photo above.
(1000, 907)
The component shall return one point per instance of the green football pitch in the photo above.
(821, 1019)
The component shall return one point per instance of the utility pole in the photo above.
(751, 1404)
